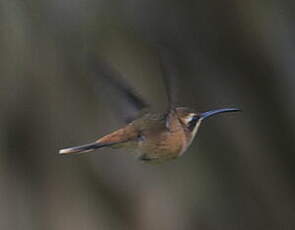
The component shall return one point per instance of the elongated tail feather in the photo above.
(83, 148)
(114, 139)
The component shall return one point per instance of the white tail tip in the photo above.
(64, 151)
(81, 149)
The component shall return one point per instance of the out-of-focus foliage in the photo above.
(238, 174)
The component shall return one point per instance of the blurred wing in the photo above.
(168, 63)
(116, 92)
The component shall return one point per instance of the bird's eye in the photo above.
(192, 123)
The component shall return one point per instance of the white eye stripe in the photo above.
(189, 118)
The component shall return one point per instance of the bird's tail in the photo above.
(113, 139)
(83, 148)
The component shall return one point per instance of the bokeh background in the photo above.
(238, 174)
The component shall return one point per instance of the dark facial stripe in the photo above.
(192, 124)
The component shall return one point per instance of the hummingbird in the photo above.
(155, 137)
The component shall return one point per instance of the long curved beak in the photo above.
(210, 113)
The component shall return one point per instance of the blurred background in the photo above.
(238, 173)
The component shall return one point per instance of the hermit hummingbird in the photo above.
(154, 137)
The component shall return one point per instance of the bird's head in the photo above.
(191, 119)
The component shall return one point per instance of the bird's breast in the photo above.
(162, 146)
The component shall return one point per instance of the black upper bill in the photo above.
(217, 111)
